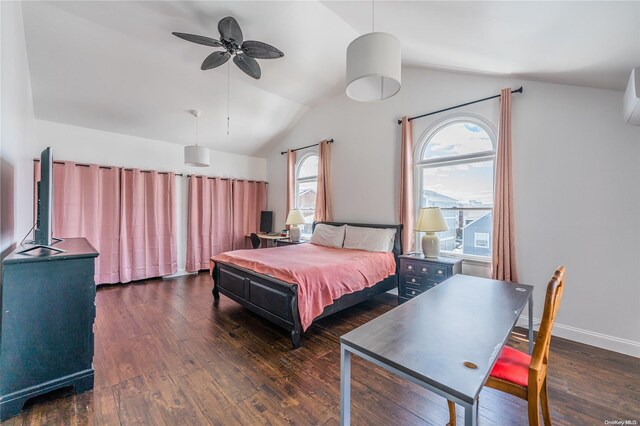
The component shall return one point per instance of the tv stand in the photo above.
(47, 313)
(34, 246)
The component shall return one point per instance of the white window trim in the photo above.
(419, 164)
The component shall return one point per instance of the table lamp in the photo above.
(294, 219)
(431, 221)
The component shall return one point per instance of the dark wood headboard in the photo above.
(397, 244)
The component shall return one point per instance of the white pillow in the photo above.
(328, 235)
(369, 239)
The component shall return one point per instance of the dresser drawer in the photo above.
(439, 272)
(416, 268)
(431, 283)
(411, 292)
(414, 280)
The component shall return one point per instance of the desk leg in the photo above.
(530, 323)
(345, 386)
(471, 414)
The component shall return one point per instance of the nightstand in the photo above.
(288, 242)
(419, 274)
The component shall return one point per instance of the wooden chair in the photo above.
(525, 376)
(255, 240)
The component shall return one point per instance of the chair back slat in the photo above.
(552, 300)
(255, 240)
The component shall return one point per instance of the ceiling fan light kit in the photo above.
(374, 67)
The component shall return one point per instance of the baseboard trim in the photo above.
(604, 341)
(180, 273)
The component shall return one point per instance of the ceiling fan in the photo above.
(244, 52)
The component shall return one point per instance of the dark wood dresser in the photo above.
(48, 309)
(419, 274)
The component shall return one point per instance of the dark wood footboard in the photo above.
(277, 300)
(268, 297)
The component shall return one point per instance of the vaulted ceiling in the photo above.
(114, 65)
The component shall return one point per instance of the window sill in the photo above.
(477, 260)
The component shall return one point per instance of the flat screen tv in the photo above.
(266, 221)
(42, 235)
(42, 238)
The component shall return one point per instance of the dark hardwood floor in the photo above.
(166, 354)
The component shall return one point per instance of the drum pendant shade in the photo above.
(196, 155)
(374, 66)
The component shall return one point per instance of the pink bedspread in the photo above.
(323, 274)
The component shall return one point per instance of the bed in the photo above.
(277, 300)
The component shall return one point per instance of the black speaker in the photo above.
(266, 222)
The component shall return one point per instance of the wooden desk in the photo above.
(288, 242)
(428, 339)
(268, 240)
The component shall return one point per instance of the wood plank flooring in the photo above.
(166, 354)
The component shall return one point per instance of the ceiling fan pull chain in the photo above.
(228, 98)
(373, 16)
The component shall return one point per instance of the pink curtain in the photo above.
(291, 182)
(147, 225)
(209, 228)
(504, 248)
(406, 187)
(323, 196)
(86, 203)
(249, 199)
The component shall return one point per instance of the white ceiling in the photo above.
(115, 66)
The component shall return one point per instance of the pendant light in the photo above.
(196, 155)
(374, 65)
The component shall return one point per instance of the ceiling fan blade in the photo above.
(207, 41)
(248, 65)
(230, 30)
(260, 50)
(215, 60)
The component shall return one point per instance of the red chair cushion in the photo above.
(512, 366)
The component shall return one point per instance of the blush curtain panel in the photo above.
(127, 215)
(291, 182)
(86, 203)
(405, 202)
(147, 225)
(504, 247)
(249, 199)
(210, 220)
(323, 194)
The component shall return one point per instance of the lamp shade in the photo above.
(431, 220)
(295, 217)
(374, 67)
(195, 155)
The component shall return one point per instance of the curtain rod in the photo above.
(37, 160)
(519, 90)
(305, 147)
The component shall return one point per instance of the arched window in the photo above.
(306, 188)
(455, 171)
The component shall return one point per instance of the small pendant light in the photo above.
(374, 66)
(196, 155)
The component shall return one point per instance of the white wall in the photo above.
(16, 123)
(576, 178)
(81, 144)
